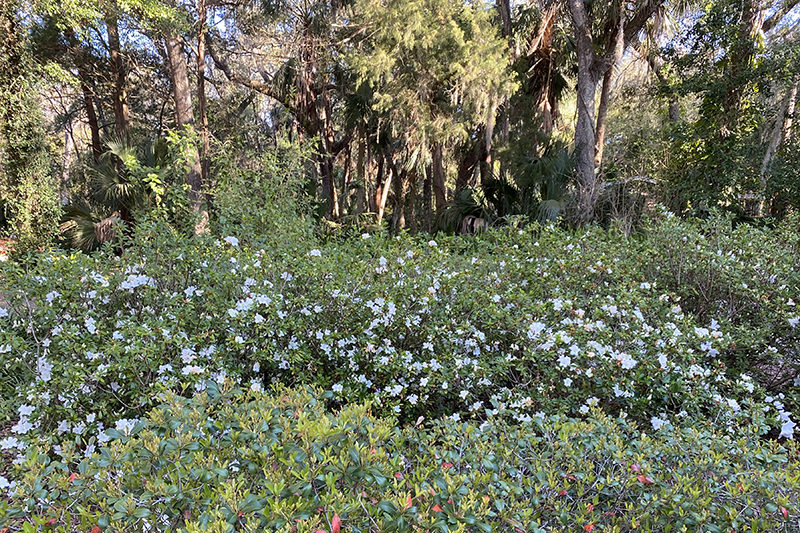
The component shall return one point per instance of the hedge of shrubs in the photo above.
(688, 326)
(232, 461)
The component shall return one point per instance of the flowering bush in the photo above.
(229, 461)
(687, 325)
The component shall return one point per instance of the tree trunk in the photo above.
(785, 111)
(326, 169)
(91, 117)
(410, 200)
(202, 106)
(486, 165)
(386, 170)
(375, 200)
(344, 196)
(361, 175)
(590, 69)
(504, 9)
(427, 198)
(790, 110)
(439, 188)
(585, 135)
(66, 161)
(466, 166)
(118, 96)
(399, 181)
(602, 114)
(184, 117)
(674, 112)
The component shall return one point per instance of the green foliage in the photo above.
(130, 182)
(437, 68)
(264, 197)
(734, 81)
(225, 460)
(585, 354)
(685, 325)
(28, 194)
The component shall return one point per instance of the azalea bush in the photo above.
(686, 325)
(228, 460)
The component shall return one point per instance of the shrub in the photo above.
(225, 460)
(263, 198)
(563, 322)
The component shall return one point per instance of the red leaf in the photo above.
(635, 467)
(51, 522)
(562, 493)
(588, 527)
(408, 502)
(336, 524)
(784, 512)
(437, 508)
(96, 529)
(590, 507)
(72, 477)
(447, 465)
(645, 480)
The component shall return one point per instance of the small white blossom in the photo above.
(658, 423)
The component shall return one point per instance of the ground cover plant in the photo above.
(682, 337)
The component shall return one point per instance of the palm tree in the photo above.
(125, 179)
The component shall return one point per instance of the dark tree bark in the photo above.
(118, 95)
(602, 114)
(504, 9)
(466, 166)
(361, 174)
(202, 102)
(439, 189)
(427, 198)
(399, 182)
(91, 117)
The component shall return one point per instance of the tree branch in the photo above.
(258, 86)
(775, 19)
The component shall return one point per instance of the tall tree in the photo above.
(184, 118)
(601, 36)
(439, 71)
(28, 195)
(118, 93)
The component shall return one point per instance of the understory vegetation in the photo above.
(570, 376)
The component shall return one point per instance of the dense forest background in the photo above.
(419, 114)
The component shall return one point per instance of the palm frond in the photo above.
(78, 226)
